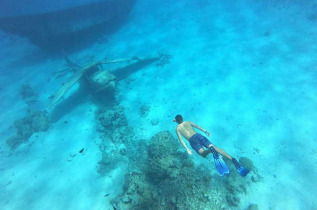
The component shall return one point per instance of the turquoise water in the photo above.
(245, 71)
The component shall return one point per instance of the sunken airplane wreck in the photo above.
(96, 79)
(72, 27)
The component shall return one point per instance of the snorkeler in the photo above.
(197, 141)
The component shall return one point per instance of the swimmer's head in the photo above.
(178, 119)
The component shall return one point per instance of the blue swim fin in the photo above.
(220, 164)
(242, 171)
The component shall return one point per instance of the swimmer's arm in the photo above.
(200, 128)
(181, 140)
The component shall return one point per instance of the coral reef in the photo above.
(107, 163)
(25, 127)
(28, 94)
(144, 110)
(255, 177)
(168, 179)
(15, 141)
(159, 176)
(253, 207)
(112, 123)
(246, 162)
(154, 122)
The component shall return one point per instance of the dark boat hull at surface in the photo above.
(71, 28)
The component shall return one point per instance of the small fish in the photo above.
(65, 122)
(114, 208)
(81, 151)
(106, 195)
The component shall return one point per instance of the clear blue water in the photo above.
(245, 71)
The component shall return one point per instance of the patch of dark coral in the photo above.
(253, 207)
(144, 110)
(25, 127)
(247, 163)
(107, 163)
(112, 125)
(168, 179)
(28, 94)
(14, 141)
